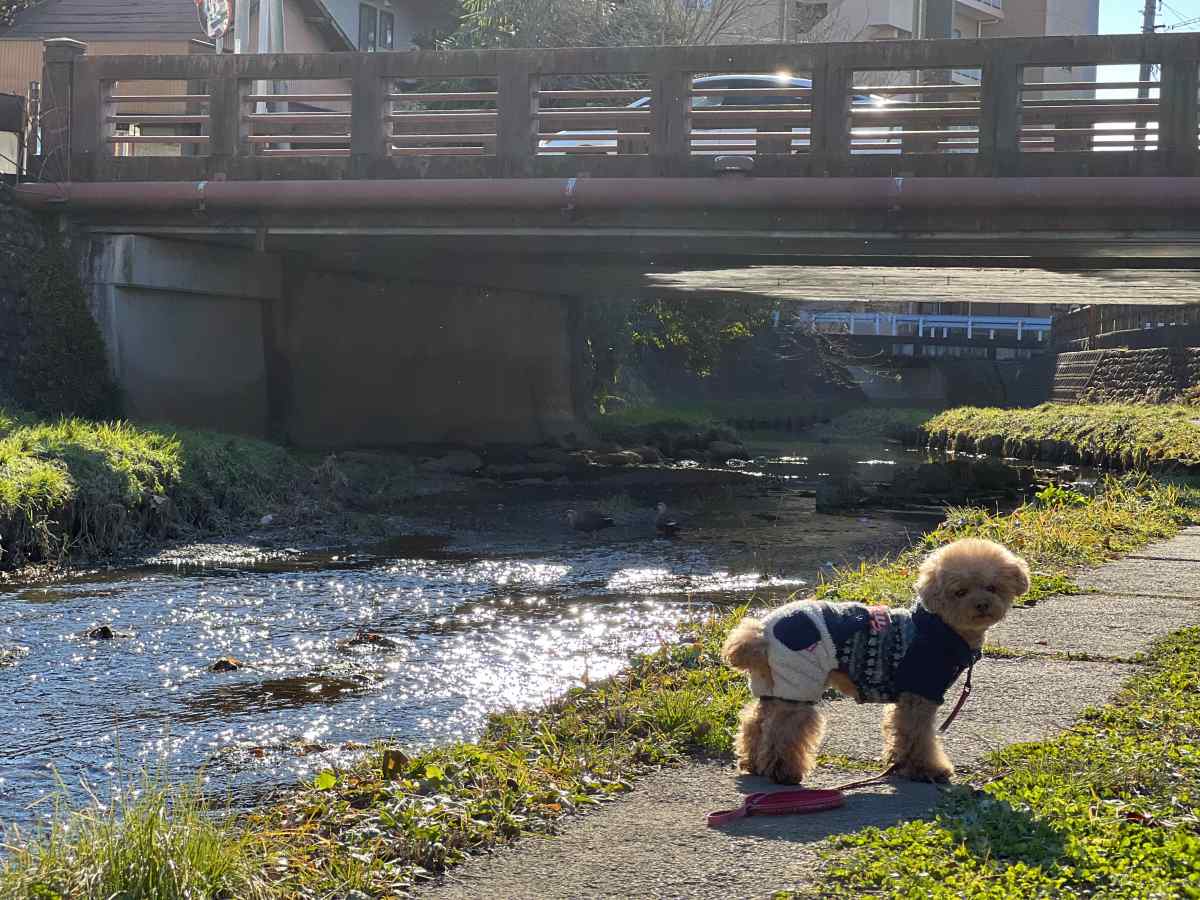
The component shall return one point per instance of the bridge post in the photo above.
(517, 115)
(58, 99)
(368, 109)
(670, 117)
(1180, 81)
(227, 128)
(829, 143)
(1000, 115)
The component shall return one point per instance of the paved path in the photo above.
(653, 842)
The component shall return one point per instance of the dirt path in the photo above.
(653, 843)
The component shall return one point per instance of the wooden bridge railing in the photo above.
(880, 108)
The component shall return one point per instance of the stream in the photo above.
(496, 605)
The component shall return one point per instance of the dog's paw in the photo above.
(929, 774)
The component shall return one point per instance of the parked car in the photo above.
(605, 141)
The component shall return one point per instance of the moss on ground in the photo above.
(1110, 808)
(78, 487)
(1131, 435)
(396, 817)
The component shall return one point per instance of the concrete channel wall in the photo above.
(215, 337)
(1155, 375)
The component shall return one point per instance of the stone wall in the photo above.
(1157, 375)
(21, 242)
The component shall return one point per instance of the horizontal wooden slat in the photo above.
(438, 151)
(152, 119)
(298, 139)
(606, 94)
(440, 138)
(159, 139)
(159, 98)
(444, 97)
(300, 153)
(444, 118)
(299, 98)
(290, 118)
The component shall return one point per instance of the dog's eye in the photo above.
(991, 589)
(960, 593)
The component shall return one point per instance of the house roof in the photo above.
(135, 20)
(113, 20)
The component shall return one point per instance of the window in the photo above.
(368, 28)
(387, 31)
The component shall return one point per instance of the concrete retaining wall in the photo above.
(377, 363)
(249, 342)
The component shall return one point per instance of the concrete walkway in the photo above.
(653, 843)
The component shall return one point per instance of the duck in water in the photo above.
(589, 520)
(664, 523)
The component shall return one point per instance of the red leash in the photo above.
(798, 800)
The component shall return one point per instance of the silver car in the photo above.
(728, 139)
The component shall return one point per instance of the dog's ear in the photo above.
(929, 580)
(1015, 576)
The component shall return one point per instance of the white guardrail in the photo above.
(926, 326)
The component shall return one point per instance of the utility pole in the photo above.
(1149, 15)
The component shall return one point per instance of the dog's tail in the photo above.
(746, 647)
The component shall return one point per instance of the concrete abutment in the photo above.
(261, 344)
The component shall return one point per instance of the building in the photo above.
(172, 26)
(112, 27)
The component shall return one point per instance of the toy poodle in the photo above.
(907, 658)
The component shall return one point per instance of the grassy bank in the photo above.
(1107, 809)
(362, 829)
(86, 488)
(1117, 435)
(812, 420)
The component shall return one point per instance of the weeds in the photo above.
(150, 843)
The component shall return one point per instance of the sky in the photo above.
(1125, 16)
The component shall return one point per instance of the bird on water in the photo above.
(589, 520)
(664, 522)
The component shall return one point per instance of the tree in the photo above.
(10, 8)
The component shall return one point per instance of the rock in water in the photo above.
(226, 664)
(102, 633)
(589, 520)
(458, 462)
(369, 639)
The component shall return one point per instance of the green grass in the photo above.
(1055, 539)
(359, 829)
(79, 487)
(1109, 808)
(150, 844)
(1126, 435)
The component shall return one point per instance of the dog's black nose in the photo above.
(983, 606)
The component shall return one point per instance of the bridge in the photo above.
(587, 173)
(908, 332)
